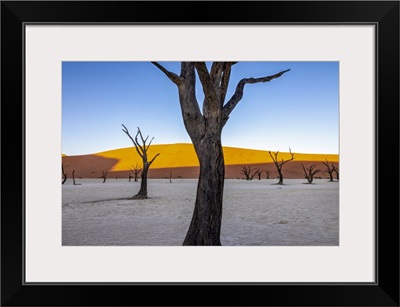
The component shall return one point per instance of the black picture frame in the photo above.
(383, 14)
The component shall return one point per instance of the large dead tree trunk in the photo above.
(142, 151)
(205, 129)
(279, 165)
(205, 227)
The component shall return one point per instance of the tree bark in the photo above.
(280, 176)
(142, 194)
(205, 226)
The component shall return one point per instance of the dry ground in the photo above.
(255, 213)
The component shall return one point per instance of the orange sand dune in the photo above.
(181, 160)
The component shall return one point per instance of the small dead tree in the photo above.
(248, 172)
(142, 151)
(136, 171)
(329, 169)
(336, 171)
(73, 178)
(104, 176)
(269, 173)
(259, 173)
(64, 174)
(280, 164)
(310, 172)
(170, 177)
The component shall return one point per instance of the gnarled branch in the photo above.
(237, 96)
(173, 77)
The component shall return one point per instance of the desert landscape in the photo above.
(256, 212)
(180, 161)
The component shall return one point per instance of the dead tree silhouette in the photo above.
(310, 172)
(336, 171)
(329, 170)
(248, 172)
(104, 176)
(136, 171)
(142, 151)
(279, 165)
(259, 173)
(73, 178)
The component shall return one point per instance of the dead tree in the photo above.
(136, 171)
(329, 170)
(170, 177)
(269, 173)
(73, 178)
(64, 174)
(104, 176)
(280, 164)
(259, 173)
(204, 129)
(336, 171)
(142, 151)
(248, 172)
(310, 172)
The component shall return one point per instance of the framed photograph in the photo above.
(181, 155)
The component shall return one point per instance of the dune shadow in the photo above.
(87, 166)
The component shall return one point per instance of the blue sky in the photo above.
(299, 110)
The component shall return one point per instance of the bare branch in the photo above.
(248, 172)
(139, 147)
(327, 165)
(151, 161)
(173, 77)
(134, 141)
(237, 96)
(127, 133)
(292, 158)
(191, 114)
(150, 142)
(225, 82)
(209, 90)
(141, 136)
(216, 72)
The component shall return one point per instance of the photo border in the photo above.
(384, 14)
